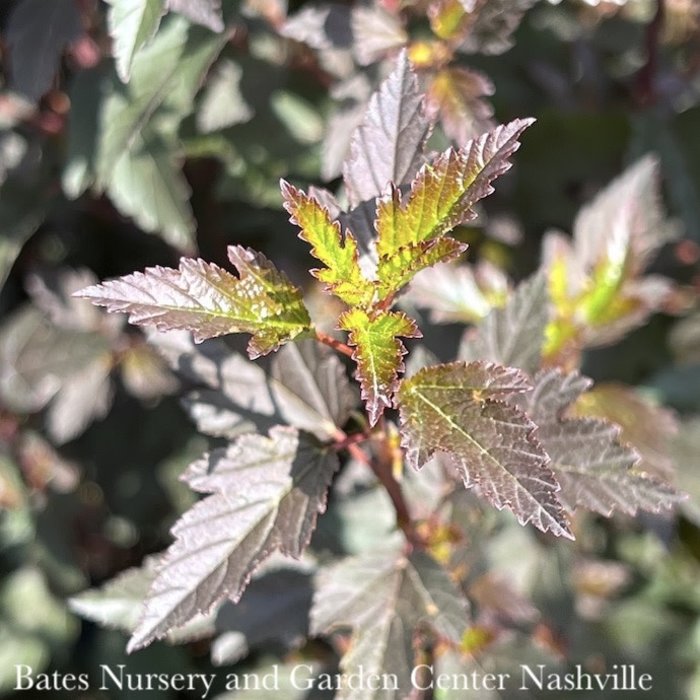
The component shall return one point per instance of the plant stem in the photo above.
(337, 345)
(382, 471)
(646, 78)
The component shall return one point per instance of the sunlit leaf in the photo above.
(204, 12)
(595, 469)
(458, 409)
(132, 24)
(443, 193)
(388, 146)
(375, 33)
(492, 23)
(384, 596)
(209, 301)
(223, 104)
(339, 254)
(266, 493)
(378, 353)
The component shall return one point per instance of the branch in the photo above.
(337, 345)
(645, 92)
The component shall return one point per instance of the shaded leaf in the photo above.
(375, 32)
(342, 274)
(132, 24)
(37, 33)
(209, 301)
(388, 146)
(492, 23)
(378, 353)
(222, 104)
(266, 493)
(204, 12)
(461, 293)
(513, 335)
(643, 424)
(311, 388)
(595, 470)
(275, 607)
(457, 409)
(322, 27)
(455, 96)
(147, 186)
(384, 596)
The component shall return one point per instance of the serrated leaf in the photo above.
(458, 409)
(266, 493)
(342, 274)
(378, 353)
(513, 335)
(209, 301)
(117, 604)
(132, 24)
(384, 596)
(375, 33)
(204, 12)
(595, 470)
(147, 185)
(388, 145)
(443, 193)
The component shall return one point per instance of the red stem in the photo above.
(337, 345)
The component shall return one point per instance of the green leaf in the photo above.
(209, 301)
(146, 185)
(132, 24)
(222, 104)
(266, 493)
(342, 274)
(595, 470)
(458, 409)
(378, 353)
(442, 195)
(204, 12)
(513, 335)
(384, 596)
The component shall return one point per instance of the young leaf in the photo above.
(342, 274)
(378, 353)
(266, 493)
(209, 301)
(388, 146)
(594, 469)
(513, 335)
(384, 596)
(442, 195)
(132, 24)
(457, 409)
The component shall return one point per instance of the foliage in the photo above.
(421, 457)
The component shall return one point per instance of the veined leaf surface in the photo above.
(378, 353)
(266, 493)
(209, 301)
(458, 409)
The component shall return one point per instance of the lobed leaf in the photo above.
(388, 145)
(595, 469)
(378, 353)
(209, 301)
(342, 274)
(442, 195)
(457, 409)
(266, 493)
(384, 596)
(513, 335)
